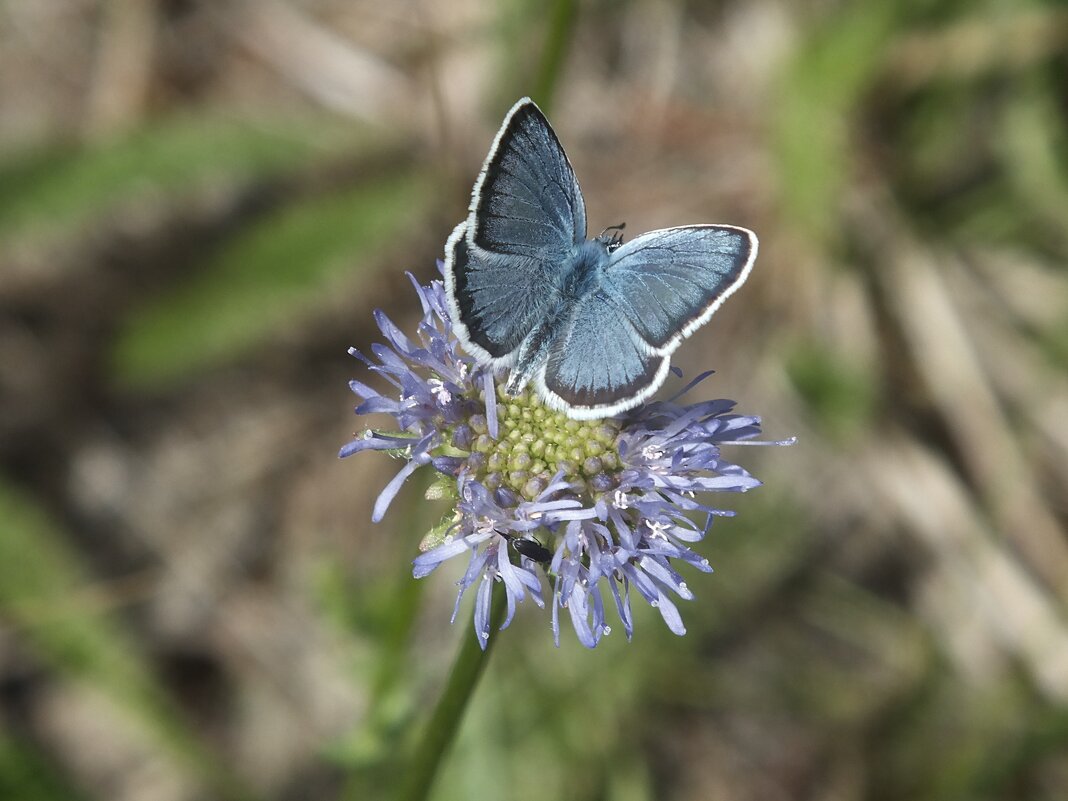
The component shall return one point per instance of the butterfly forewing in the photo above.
(527, 201)
(669, 282)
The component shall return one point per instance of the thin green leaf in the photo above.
(266, 279)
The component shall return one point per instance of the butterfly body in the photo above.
(578, 277)
(590, 322)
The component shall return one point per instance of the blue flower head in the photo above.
(601, 510)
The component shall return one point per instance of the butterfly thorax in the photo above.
(579, 276)
(583, 271)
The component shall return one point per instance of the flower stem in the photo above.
(445, 721)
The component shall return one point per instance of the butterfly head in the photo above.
(615, 239)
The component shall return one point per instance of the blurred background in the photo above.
(201, 203)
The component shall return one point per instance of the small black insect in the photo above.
(531, 549)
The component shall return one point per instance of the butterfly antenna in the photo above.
(616, 239)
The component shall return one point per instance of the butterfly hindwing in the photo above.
(669, 282)
(526, 216)
(600, 365)
(494, 299)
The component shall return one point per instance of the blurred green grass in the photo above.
(46, 593)
(272, 273)
(816, 102)
(57, 187)
(26, 773)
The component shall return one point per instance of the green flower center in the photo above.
(534, 443)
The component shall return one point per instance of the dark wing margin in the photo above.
(669, 282)
(494, 300)
(599, 366)
(527, 200)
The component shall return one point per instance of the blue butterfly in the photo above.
(591, 322)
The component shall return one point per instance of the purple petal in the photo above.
(490, 390)
(449, 465)
(576, 605)
(573, 514)
(425, 563)
(375, 442)
(690, 386)
(482, 611)
(390, 359)
(420, 292)
(642, 583)
(671, 615)
(361, 389)
(661, 573)
(556, 613)
(623, 605)
(788, 441)
(510, 612)
(385, 498)
(599, 625)
(379, 405)
(395, 336)
(508, 573)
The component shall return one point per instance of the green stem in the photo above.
(562, 18)
(445, 721)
